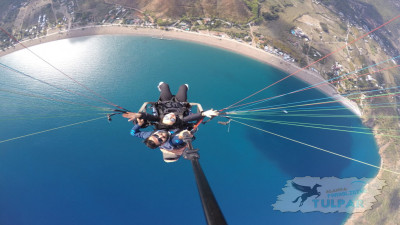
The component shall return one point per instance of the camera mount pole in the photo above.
(211, 208)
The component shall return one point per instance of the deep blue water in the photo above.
(96, 173)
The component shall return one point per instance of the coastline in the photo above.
(357, 218)
(307, 76)
(210, 40)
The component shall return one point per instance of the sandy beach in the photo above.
(211, 40)
(202, 38)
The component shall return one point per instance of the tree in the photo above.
(270, 16)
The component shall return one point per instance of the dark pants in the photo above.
(165, 94)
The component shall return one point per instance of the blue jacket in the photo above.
(172, 143)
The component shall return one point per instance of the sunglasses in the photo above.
(159, 139)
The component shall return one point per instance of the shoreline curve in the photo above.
(307, 76)
(244, 49)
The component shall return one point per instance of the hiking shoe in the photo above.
(160, 85)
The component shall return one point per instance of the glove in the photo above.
(210, 113)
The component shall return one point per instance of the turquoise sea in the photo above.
(96, 173)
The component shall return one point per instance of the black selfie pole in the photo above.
(211, 208)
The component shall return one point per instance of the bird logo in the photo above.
(308, 192)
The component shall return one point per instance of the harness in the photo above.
(180, 109)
